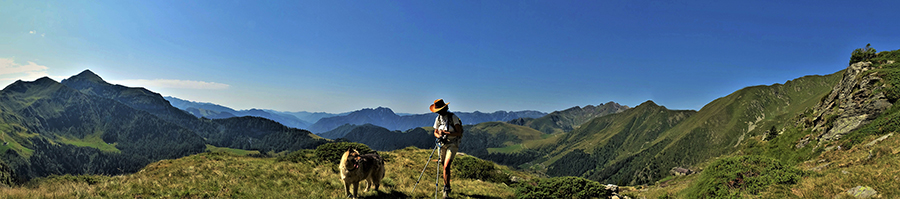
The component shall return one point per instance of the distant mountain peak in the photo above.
(379, 110)
(649, 103)
(24, 86)
(45, 80)
(86, 75)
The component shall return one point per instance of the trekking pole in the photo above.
(437, 175)
(437, 144)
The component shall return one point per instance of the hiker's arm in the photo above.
(438, 133)
(459, 130)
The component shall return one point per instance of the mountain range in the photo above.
(385, 117)
(569, 119)
(300, 119)
(84, 125)
(640, 145)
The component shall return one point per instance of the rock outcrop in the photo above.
(678, 171)
(862, 192)
(851, 104)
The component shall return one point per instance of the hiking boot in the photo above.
(446, 191)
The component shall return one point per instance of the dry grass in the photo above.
(831, 175)
(226, 175)
(876, 166)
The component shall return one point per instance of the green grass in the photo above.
(507, 149)
(828, 174)
(227, 175)
(241, 152)
(13, 139)
(93, 141)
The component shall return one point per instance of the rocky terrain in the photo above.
(853, 102)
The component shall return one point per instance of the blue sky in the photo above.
(338, 56)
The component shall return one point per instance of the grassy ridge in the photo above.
(869, 156)
(603, 148)
(518, 137)
(227, 175)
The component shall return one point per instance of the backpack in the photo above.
(451, 122)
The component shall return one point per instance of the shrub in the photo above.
(298, 156)
(332, 152)
(771, 133)
(862, 54)
(474, 168)
(561, 187)
(732, 176)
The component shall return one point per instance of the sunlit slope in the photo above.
(226, 175)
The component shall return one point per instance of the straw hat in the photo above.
(438, 105)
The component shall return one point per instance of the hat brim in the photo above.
(436, 109)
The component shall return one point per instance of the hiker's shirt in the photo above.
(447, 123)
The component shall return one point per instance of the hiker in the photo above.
(449, 130)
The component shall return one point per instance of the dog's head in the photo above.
(353, 159)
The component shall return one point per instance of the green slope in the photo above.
(500, 137)
(631, 148)
(867, 156)
(607, 142)
(52, 128)
(48, 128)
(569, 119)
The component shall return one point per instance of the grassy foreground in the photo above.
(829, 175)
(224, 174)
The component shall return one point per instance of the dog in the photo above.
(356, 168)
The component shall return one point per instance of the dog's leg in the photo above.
(347, 189)
(368, 183)
(377, 180)
(355, 189)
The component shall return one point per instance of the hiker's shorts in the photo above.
(451, 145)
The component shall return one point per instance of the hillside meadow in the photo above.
(226, 174)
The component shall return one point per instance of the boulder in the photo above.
(862, 192)
(678, 171)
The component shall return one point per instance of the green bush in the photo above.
(561, 187)
(332, 152)
(474, 168)
(298, 156)
(862, 54)
(733, 176)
